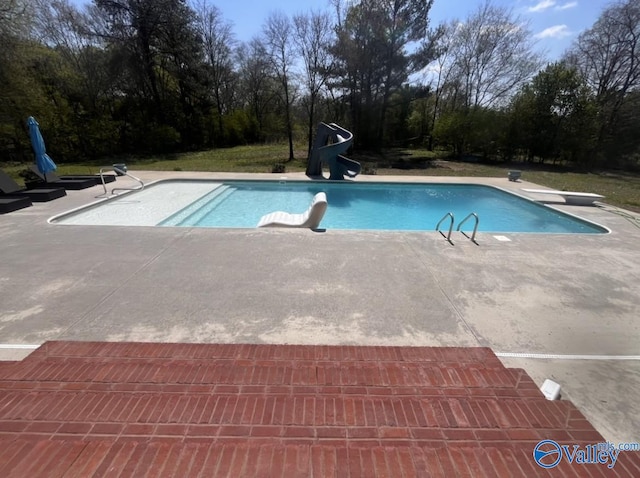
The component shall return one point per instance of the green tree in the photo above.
(88, 80)
(313, 36)
(279, 44)
(220, 76)
(553, 117)
(373, 59)
(160, 54)
(17, 94)
(608, 56)
(257, 87)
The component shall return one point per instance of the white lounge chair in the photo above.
(575, 198)
(309, 219)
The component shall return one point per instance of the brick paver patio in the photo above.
(145, 409)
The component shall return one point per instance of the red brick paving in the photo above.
(139, 409)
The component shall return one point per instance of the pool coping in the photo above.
(92, 205)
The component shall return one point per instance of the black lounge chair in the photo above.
(108, 178)
(13, 203)
(10, 188)
(70, 184)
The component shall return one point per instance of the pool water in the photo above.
(377, 206)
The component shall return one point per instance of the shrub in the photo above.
(370, 170)
(278, 168)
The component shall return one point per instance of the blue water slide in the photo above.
(331, 141)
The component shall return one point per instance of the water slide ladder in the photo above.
(459, 228)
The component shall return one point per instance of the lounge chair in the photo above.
(12, 189)
(309, 219)
(51, 179)
(13, 203)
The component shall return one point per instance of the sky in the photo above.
(555, 23)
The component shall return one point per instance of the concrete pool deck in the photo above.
(543, 294)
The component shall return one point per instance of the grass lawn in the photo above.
(620, 189)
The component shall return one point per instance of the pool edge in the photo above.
(604, 229)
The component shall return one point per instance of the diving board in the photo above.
(575, 198)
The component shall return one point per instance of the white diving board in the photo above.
(575, 198)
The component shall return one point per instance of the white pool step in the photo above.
(142, 208)
(192, 213)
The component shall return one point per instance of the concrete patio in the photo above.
(542, 294)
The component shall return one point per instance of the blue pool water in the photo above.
(377, 206)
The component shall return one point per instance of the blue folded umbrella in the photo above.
(43, 162)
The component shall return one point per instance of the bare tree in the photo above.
(313, 37)
(608, 56)
(485, 59)
(58, 24)
(14, 18)
(219, 43)
(256, 81)
(69, 30)
(438, 72)
(491, 56)
(278, 40)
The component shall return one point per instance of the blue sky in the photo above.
(555, 23)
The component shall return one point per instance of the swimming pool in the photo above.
(351, 206)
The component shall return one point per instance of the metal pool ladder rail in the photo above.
(120, 172)
(475, 227)
(448, 236)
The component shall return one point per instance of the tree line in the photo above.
(161, 76)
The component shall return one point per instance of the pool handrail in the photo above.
(448, 236)
(119, 172)
(475, 227)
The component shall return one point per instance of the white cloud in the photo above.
(556, 31)
(542, 5)
(567, 5)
